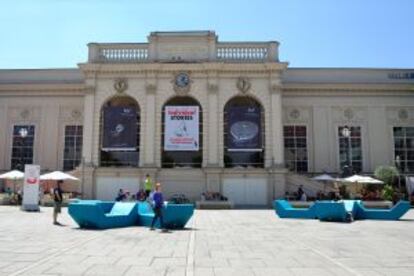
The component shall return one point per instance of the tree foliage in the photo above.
(387, 174)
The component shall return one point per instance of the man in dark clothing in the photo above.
(58, 199)
(158, 204)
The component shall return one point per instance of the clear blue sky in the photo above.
(312, 33)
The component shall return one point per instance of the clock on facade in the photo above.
(182, 80)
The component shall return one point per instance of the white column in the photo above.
(88, 119)
(212, 125)
(276, 124)
(150, 126)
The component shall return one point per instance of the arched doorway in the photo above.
(120, 132)
(182, 133)
(244, 133)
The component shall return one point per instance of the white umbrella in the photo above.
(324, 177)
(58, 175)
(12, 175)
(362, 179)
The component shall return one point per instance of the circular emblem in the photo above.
(182, 80)
(294, 114)
(403, 114)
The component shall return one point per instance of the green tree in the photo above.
(387, 174)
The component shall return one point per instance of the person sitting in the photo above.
(304, 197)
(300, 192)
(121, 195)
(141, 195)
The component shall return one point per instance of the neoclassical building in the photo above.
(198, 114)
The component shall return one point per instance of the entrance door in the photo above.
(246, 191)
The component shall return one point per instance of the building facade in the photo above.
(302, 120)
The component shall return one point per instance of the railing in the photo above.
(222, 51)
(245, 52)
(118, 52)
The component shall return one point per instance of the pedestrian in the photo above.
(157, 205)
(58, 199)
(147, 186)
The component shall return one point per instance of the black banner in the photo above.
(120, 129)
(244, 129)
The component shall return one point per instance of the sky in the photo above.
(312, 33)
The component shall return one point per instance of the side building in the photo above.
(202, 115)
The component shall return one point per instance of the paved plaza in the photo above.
(216, 242)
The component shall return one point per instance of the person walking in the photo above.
(58, 199)
(158, 204)
(147, 186)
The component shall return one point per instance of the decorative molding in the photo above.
(212, 87)
(120, 85)
(151, 88)
(400, 115)
(349, 114)
(24, 113)
(243, 84)
(297, 114)
(71, 114)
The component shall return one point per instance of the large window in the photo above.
(180, 146)
(22, 149)
(350, 149)
(404, 148)
(296, 152)
(120, 132)
(244, 133)
(73, 147)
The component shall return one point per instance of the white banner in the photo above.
(31, 188)
(181, 128)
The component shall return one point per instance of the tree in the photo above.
(387, 174)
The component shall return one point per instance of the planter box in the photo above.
(211, 204)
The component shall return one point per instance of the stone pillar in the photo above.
(88, 127)
(276, 123)
(87, 178)
(150, 126)
(212, 125)
(93, 55)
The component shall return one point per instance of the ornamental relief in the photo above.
(71, 114)
(400, 115)
(297, 114)
(24, 113)
(349, 114)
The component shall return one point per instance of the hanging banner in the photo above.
(31, 188)
(120, 129)
(244, 129)
(181, 128)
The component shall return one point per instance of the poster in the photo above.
(181, 128)
(31, 188)
(244, 129)
(120, 129)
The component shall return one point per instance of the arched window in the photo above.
(244, 133)
(120, 132)
(182, 133)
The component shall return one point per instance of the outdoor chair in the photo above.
(395, 213)
(285, 210)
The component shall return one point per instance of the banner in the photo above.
(181, 128)
(120, 129)
(244, 129)
(31, 188)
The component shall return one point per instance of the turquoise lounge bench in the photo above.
(395, 213)
(285, 210)
(175, 216)
(96, 214)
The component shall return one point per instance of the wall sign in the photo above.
(181, 128)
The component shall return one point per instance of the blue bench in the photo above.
(285, 210)
(395, 213)
(96, 214)
(175, 216)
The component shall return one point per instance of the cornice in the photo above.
(43, 89)
(202, 67)
(374, 87)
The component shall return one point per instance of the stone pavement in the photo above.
(218, 242)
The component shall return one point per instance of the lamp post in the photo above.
(398, 165)
(23, 134)
(346, 132)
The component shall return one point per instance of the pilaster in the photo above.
(150, 123)
(212, 127)
(276, 122)
(88, 119)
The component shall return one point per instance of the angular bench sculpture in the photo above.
(96, 214)
(285, 210)
(344, 210)
(395, 213)
(175, 216)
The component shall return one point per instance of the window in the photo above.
(182, 156)
(296, 152)
(22, 148)
(73, 147)
(350, 148)
(120, 134)
(244, 133)
(404, 148)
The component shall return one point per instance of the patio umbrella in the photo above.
(362, 179)
(325, 178)
(56, 176)
(14, 176)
